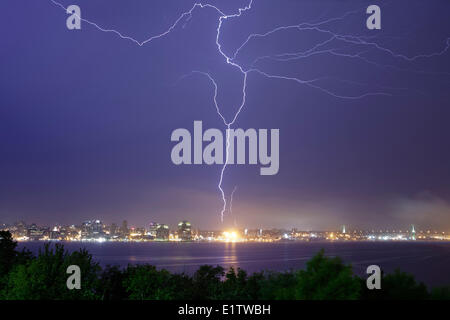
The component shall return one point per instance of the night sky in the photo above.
(86, 117)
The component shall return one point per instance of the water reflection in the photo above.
(230, 254)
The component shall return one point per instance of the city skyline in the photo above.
(98, 231)
(124, 224)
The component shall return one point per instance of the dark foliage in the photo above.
(25, 277)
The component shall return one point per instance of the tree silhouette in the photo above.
(327, 279)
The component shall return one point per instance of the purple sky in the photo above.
(86, 117)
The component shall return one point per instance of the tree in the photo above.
(207, 283)
(254, 284)
(327, 279)
(111, 285)
(145, 282)
(440, 293)
(277, 286)
(9, 257)
(235, 285)
(45, 277)
(397, 286)
(8, 252)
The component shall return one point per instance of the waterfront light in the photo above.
(230, 235)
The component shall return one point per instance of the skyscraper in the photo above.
(184, 231)
(152, 228)
(162, 232)
(124, 228)
(113, 230)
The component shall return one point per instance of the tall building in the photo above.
(97, 229)
(92, 229)
(21, 229)
(184, 231)
(34, 233)
(86, 229)
(162, 232)
(113, 230)
(413, 233)
(124, 228)
(152, 228)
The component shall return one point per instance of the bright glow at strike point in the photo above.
(231, 236)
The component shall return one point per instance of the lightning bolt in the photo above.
(319, 48)
(231, 204)
(186, 14)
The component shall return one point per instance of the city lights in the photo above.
(97, 231)
(230, 236)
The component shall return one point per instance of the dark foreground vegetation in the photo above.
(27, 277)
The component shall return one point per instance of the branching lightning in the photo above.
(141, 43)
(318, 49)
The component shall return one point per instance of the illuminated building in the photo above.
(162, 232)
(34, 233)
(97, 228)
(113, 230)
(92, 229)
(152, 228)
(184, 231)
(86, 229)
(124, 228)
